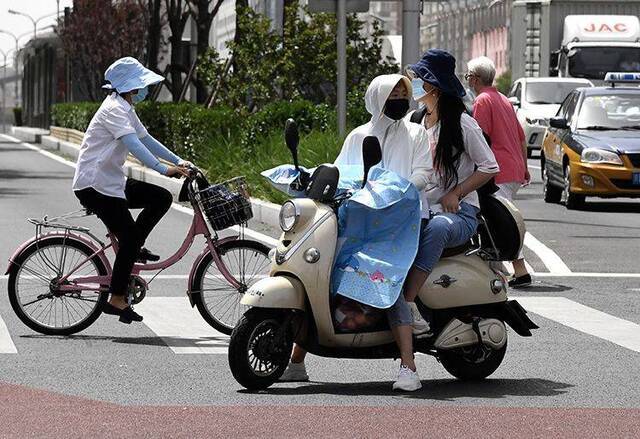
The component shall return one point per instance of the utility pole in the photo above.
(4, 92)
(342, 67)
(411, 10)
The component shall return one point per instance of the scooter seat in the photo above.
(453, 251)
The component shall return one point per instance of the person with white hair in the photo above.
(497, 118)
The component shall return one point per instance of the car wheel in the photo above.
(570, 199)
(550, 193)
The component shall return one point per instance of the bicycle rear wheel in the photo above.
(218, 302)
(34, 297)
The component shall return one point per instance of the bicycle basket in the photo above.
(226, 204)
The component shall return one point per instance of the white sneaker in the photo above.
(295, 372)
(420, 326)
(408, 380)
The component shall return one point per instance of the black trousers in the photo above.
(154, 201)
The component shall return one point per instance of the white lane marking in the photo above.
(48, 154)
(161, 276)
(248, 232)
(181, 327)
(548, 257)
(6, 344)
(536, 273)
(534, 167)
(586, 274)
(585, 319)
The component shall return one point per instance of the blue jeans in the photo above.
(442, 231)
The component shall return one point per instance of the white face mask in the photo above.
(417, 85)
(419, 93)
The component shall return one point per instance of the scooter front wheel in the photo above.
(473, 362)
(260, 348)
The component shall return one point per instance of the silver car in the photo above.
(536, 100)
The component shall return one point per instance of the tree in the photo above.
(177, 16)
(203, 17)
(503, 82)
(242, 9)
(97, 33)
(154, 34)
(304, 66)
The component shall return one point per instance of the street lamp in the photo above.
(4, 91)
(15, 59)
(35, 22)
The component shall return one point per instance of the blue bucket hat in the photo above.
(438, 67)
(127, 74)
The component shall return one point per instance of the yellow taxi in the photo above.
(592, 146)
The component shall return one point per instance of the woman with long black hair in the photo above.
(462, 162)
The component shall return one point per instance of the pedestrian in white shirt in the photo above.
(100, 182)
(404, 148)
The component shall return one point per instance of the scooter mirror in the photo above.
(371, 155)
(292, 138)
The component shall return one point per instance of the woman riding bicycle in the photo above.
(101, 184)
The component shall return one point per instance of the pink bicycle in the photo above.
(58, 280)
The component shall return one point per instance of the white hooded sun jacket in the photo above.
(404, 144)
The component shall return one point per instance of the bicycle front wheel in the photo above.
(217, 300)
(32, 286)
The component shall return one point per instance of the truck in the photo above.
(574, 38)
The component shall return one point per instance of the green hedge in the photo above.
(191, 131)
(258, 126)
(74, 115)
(226, 143)
(195, 132)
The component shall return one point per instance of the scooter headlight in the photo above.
(289, 214)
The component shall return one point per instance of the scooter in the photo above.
(465, 297)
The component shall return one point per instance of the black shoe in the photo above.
(520, 281)
(127, 315)
(145, 255)
(108, 308)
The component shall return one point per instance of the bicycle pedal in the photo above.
(145, 256)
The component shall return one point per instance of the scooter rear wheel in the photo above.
(260, 348)
(472, 363)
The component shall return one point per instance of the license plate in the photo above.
(636, 179)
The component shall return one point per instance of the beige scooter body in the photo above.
(299, 281)
(465, 298)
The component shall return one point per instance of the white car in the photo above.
(536, 100)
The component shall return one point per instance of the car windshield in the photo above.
(595, 62)
(617, 112)
(549, 92)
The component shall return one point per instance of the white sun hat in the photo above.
(127, 74)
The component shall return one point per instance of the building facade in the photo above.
(468, 29)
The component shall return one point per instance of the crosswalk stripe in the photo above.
(6, 344)
(585, 319)
(181, 327)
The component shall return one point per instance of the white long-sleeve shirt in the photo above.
(476, 153)
(404, 144)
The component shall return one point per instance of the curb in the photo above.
(29, 134)
(263, 211)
